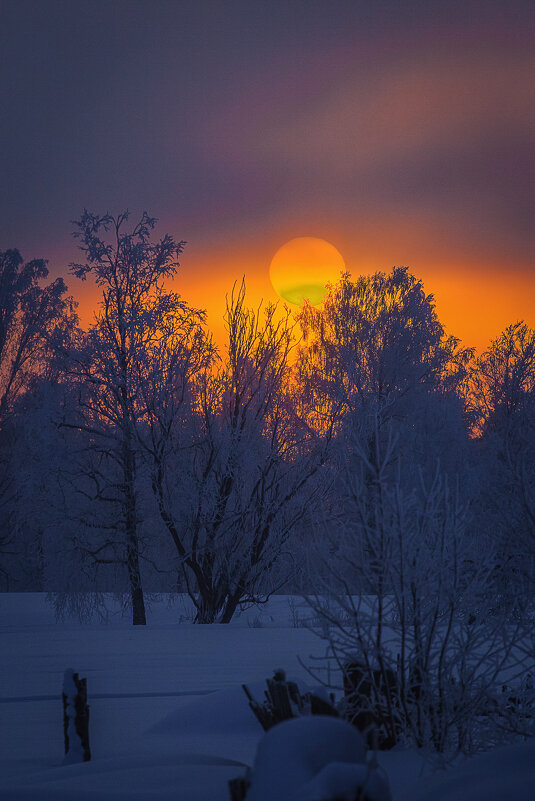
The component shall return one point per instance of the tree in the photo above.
(503, 404)
(29, 492)
(34, 321)
(402, 583)
(378, 338)
(110, 362)
(9, 496)
(503, 378)
(404, 602)
(377, 348)
(235, 484)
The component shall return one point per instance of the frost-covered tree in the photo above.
(34, 321)
(503, 378)
(377, 338)
(236, 486)
(404, 601)
(503, 400)
(110, 362)
(35, 451)
(377, 348)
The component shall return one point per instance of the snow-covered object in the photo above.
(340, 781)
(314, 758)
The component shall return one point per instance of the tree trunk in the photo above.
(134, 575)
(231, 605)
(139, 617)
(206, 610)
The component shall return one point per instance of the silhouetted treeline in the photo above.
(136, 458)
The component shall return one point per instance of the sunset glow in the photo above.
(474, 300)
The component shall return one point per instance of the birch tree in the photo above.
(377, 338)
(110, 363)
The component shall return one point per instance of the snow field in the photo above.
(168, 718)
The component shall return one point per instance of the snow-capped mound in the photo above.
(309, 758)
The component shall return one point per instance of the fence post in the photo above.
(75, 718)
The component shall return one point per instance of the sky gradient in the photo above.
(402, 133)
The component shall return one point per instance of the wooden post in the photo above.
(284, 701)
(75, 718)
(238, 788)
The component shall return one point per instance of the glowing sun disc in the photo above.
(302, 267)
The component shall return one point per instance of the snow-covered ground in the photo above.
(168, 717)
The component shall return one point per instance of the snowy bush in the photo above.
(404, 600)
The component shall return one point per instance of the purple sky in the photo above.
(401, 132)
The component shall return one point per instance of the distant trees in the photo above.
(35, 320)
(36, 454)
(9, 547)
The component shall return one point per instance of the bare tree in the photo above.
(110, 364)
(231, 499)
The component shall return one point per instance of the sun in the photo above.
(302, 267)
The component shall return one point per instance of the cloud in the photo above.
(399, 110)
(430, 129)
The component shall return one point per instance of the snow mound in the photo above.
(309, 759)
(219, 713)
(219, 723)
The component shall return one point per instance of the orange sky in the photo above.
(404, 134)
(475, 302)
